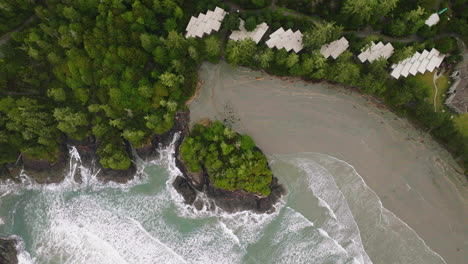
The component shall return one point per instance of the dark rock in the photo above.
(44, 171)
(146, 152)
(8, 254)
(198, 204)
(183, 187)
(77, 177)
(119, 176)
(197, 179)
(86, 148)
(235, 201)
(10, 172)
(181, 123)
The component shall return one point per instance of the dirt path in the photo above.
(434, 81)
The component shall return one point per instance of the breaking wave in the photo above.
(356, 218)
(329, 216)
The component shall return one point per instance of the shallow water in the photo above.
(329, 215)
(146, 222)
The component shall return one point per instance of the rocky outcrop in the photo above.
(146, 152)
(10, 172)
(197, 179)
(230, 201)
(234, 201)
(44, 171)
(185, 189)
(190, 184)
(8, 254)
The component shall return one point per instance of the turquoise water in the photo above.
(145, 220)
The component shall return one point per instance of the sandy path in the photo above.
(414, 177)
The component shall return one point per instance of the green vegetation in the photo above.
(118, 70)
(14, 12)
(252, 3)
(426, 80)
(231, 160)
(461, 122)
(443, 84)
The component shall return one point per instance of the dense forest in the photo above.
(119, 70)
(13, 13)
(231, 160)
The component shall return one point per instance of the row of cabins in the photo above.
(292, 40)
(418, 63)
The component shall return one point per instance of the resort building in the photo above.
(255, 35)
(205, 23)
(432, 20)
(288, 40)
(335, 48)
(376, 51)
(419, 62)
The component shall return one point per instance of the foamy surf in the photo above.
(362, 221)
(146, 221)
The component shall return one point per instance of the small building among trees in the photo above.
(376, 51)
(255, 35)
(419, 62)
(334, 48)
(289, 40)
(432, 20)
(205, 23)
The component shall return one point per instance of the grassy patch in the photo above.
(461, 122)
(427, 79)
(443, 84)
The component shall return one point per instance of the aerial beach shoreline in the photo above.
(335, 96)
(130, 131)
(398, 166)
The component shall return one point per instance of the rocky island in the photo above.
(227, 167)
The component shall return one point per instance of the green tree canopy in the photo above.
(231, 160)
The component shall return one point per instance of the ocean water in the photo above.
(145, 220)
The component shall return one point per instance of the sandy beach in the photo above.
(414, 177)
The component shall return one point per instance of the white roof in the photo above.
(397, 70)
(288, 40)
(205, 23)
(432, 20)
(335, 48)
(376, 51)
(423, 66)
(255, 35)
(419, 62)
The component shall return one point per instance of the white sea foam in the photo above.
(298, 240)
(340, 226)
(23, 256)
(387, 238)
(94, 222)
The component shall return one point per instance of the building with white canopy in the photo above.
(335, 48)
(288, 40)
(418, 63)
(255, 35)
(432, 20)
(376, 51)
(205, 23)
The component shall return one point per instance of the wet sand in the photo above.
(414, 177)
